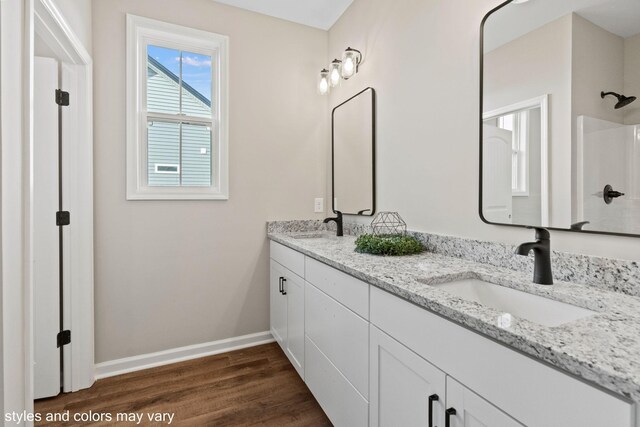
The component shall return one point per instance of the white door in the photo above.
(497, 149)
(278, 308)
(467, 409)
(46, 296)
(405, 390)
(294, 292)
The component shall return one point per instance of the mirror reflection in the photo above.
(353, 148)
(560, 118)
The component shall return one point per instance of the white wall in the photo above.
(632, 78)
(422, 58)
(169, 274)
(598, 65)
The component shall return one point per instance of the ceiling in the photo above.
(621, 17)
(314, 13)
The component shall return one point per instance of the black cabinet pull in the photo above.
(432, 398)
(283, 283)
(280, 279)
(447, 416)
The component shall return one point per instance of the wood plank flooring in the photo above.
(254, 386)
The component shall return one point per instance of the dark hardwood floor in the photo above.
(254, 386)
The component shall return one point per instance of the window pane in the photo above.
(507, 122)
(196, 156)
(163, 154)
(196, 84)
(163, 80)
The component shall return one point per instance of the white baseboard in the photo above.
(166, 357)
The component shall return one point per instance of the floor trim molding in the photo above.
(166, 357)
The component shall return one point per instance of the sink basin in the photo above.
(535, 308)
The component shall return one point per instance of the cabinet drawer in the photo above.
(529, 391)
(340, 334)
(340, 401)
(287, 257)
(349, 291)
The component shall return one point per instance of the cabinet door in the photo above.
(401, 383)
(278, 305)
(294, 290)
(473, 411)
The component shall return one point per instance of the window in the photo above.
(518, 124)
(177, 115)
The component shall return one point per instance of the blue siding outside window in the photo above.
(178, 153)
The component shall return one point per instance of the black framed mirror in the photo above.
(353, 147)
(559, 128)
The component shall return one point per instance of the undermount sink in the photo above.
(535, 308)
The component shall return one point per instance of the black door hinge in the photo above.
(64, 338)
(62, 98)
(63, 218)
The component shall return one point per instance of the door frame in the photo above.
(77, 76)
(13, 132)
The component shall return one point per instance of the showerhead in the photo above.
(623, 101)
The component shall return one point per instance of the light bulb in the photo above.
(334, 74)
(323, 82)
(323, 87)
(335, 77)
(348, 67)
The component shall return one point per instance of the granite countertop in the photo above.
(603, 348)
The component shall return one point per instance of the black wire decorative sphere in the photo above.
(388, 224)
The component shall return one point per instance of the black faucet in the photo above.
(579, 225)
(542, 250)
(338, 221)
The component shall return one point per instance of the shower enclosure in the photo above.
(608, 154)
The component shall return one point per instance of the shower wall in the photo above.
(608, 153)
(632, 77)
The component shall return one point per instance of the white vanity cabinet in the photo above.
(286, 296)
(372, 358)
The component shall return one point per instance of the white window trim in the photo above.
(140, 32)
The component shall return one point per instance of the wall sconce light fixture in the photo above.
(339, 70)
(323, 82)
(351, 59)
(335, 72)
